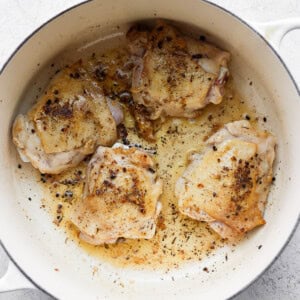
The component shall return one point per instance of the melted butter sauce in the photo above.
(178, 238)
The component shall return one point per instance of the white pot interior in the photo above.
(28, 232)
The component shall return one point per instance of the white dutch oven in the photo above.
(65, 271)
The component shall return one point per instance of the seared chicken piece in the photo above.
(227, 185)
(121, 197)
(68, 122)
(175, 75)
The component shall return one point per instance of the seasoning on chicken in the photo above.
(121, 197)
(227, 185)
(68, 122)
(175, 75)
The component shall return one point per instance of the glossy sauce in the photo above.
(178, 239)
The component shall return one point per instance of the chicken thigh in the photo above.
(175, 75)
(70, 119)
(227, 185)
(121, 197)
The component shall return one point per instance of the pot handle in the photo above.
(13, 280)
(274, 31)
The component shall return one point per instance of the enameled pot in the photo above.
(66, 271)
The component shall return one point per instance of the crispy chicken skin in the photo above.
(227, 185)
(175, 75)
(121, 197)
(68, 122)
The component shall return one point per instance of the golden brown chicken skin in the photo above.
(121, 197)
(227, 185)
(67, 123)
(175, 75)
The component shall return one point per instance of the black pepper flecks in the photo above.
(68, 194)
(197, 56)
(123, 134)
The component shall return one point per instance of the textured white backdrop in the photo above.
(18, 18)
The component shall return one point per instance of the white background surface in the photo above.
(18, 18)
